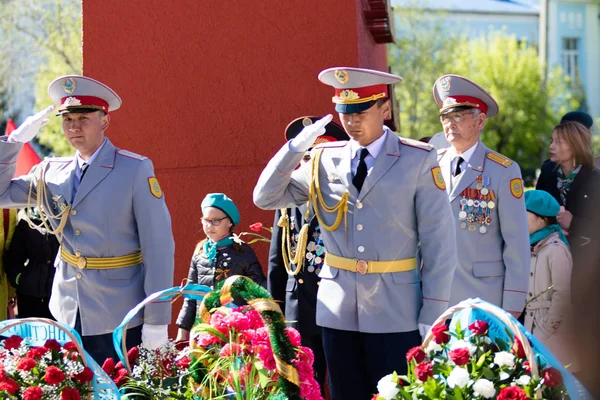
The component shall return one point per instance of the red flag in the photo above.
(27, 157)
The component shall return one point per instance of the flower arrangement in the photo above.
(51, 371)
(470, 364)
(159, 373)
(256, 229)
(247, 352)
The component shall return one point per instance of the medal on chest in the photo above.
(476, 206)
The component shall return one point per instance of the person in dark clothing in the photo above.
(217, 257)
(29, 264)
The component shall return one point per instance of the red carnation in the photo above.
(133, 354)
(10, 386)
(517, 348)
(256, 227)
(184, 363)
(527, 367)
(424, 371)
(120, 377)
(12, 342)
(552, 377)
(70, 394)
(460, 356)
(512, 393)
(479, 327)
(26, 364)
(440, 334)
(52, 345)
(108, 366)
(2, 373)
(54, 375)
(85, 376)
(33, 393)
(37, 352)
(415, 354)
(70, 346)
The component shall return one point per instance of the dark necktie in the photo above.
(361, 171)
(84, 168)
(459, 161)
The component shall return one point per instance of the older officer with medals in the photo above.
(486, 194)
(375, 197)
(109, 213)
(297, 255)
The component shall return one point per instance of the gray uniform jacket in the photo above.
(399, 206)
(114, 213)
(494, 265)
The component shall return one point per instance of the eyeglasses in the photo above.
(456, 117)
(213, 222)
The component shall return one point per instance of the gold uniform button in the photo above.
(361, 249)
(73, 212)
(77, 232)
(359, 205)
(301, 281)
(359, 227)
(79, 276)
(78, 253)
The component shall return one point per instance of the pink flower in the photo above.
(206, 339)
(256, 227)
(265, 354)
(247, 336)
(230, 349)
(237, 321)
(183, 363)
(294, 336)
(254, 319)
(261, 336)
(305, 355)
(216, 320)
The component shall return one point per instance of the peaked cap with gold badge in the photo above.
(80, 94)
(357, 89)
(457, 93)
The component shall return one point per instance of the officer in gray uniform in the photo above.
(376, 197)
(109, 213)
(486, 194)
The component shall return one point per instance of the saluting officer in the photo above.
(486, 194)
(293, 271)
(376, 197)
(109, 213)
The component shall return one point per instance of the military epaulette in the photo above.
(416, 144)
(499, 158)
(131, 155)
(324, 145)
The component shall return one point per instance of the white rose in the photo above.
(432, 346)
(387, 388)
(458, 377)
(523, 380)
(484, 388)
(504, 359)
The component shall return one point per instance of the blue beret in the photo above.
(582, 117)
(223, 203)
(541, 203)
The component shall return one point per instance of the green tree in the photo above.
(420, 55)
(52, 30)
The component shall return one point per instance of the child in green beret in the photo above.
(218, 256)
(548, 308)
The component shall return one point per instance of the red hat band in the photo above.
(84, 102)
(458, 101)
(360, 95)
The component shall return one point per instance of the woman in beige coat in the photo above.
(548, 308)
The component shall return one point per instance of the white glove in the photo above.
(154, 336)
(423, 329)
(30, 127)
(307, 136)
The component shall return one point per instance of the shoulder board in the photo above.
(328, 145)
(131, 155)
(416, 144)
(499, 158)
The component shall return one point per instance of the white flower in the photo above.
(523, 380)
(462, 343)
(432, 346)
(458, 377)
(387, 388)
(484, 388)
(504, 375)
(504, 359)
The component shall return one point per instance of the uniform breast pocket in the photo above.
(488, 269)
(328, 272)
(122, 275)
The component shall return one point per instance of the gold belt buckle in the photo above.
(362, 267)
(81, 262)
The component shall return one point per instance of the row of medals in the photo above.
(474, 211)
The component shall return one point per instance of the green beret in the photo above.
(541, 203)
(223, 203)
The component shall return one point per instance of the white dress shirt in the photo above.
(466, 156)
(374, 149)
